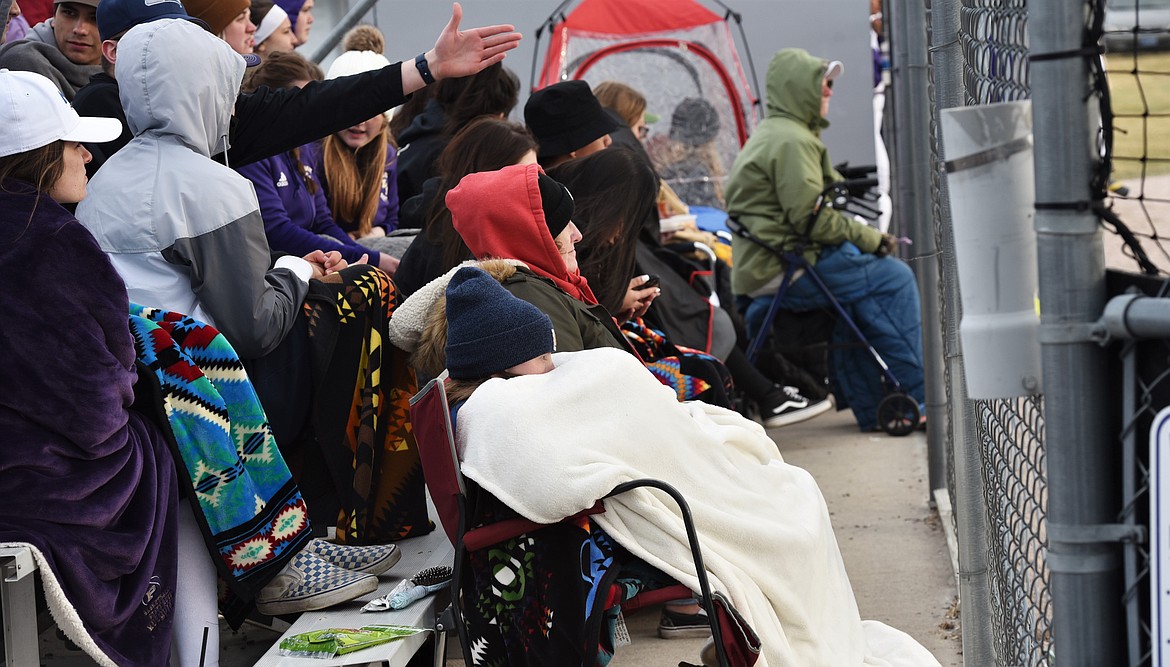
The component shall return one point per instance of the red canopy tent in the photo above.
(669, 50)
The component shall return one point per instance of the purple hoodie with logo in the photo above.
(296, 221)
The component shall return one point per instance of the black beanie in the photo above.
(557, 203)
(488, 329)
(694, 122)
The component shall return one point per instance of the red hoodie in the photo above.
(499, 214)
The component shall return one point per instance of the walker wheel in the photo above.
(898, 414)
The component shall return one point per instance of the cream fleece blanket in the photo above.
(549, 445)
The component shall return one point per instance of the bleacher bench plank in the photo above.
(418, 553)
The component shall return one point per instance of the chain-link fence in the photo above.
(1008, 434)
(1011, 433)
(994, 39)
(1128, 90)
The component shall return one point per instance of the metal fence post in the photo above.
(912, 113)
(1082, 490)
(970, 505)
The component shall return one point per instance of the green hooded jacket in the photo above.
(779, 173)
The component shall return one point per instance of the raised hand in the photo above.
(465, 52)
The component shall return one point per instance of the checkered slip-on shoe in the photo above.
(374, 559)
(309, 583)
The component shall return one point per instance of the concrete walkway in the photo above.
(892, 542)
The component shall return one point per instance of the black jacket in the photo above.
(421, 143)
(423, 260)
(99, 98)
(268, 122)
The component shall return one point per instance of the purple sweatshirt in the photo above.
(386, 215)
(294, 219)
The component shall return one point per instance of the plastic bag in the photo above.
(332, 642)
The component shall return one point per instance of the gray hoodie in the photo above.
(38, 52)
(185, 232)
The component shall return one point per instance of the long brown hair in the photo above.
(281, 70)
(614, 193)
(493, 91)
(486, 144)
(39, 167)
(461, 390)
(355, 178)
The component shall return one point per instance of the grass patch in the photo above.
(1140, 88)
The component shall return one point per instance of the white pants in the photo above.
(196, 640)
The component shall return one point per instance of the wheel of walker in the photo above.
(898, 414)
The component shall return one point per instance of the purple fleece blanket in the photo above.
(89, 482)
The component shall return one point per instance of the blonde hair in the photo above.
(364, 37)
(627, 102)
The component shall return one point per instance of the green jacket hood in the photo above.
(794, 87)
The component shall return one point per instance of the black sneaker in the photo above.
(673, 625)
(786, 405)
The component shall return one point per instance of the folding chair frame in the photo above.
(430, 430)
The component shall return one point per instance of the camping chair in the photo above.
(897, 413)
(431, 418)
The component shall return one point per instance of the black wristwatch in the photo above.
(424, 68)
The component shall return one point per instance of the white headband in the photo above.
(271, 22)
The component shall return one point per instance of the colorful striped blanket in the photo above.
(250, 509)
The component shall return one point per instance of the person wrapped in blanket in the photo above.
(545, 435)
(133, 494)
(540, 598)
(190, 238)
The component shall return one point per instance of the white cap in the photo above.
(833, 70)
(34, 113)
(356, 62)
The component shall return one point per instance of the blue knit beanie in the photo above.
(488, 329)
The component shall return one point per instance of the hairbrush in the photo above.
(409, 590)
(420, 585)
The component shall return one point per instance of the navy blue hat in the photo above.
(488, 329)
(115, 17)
